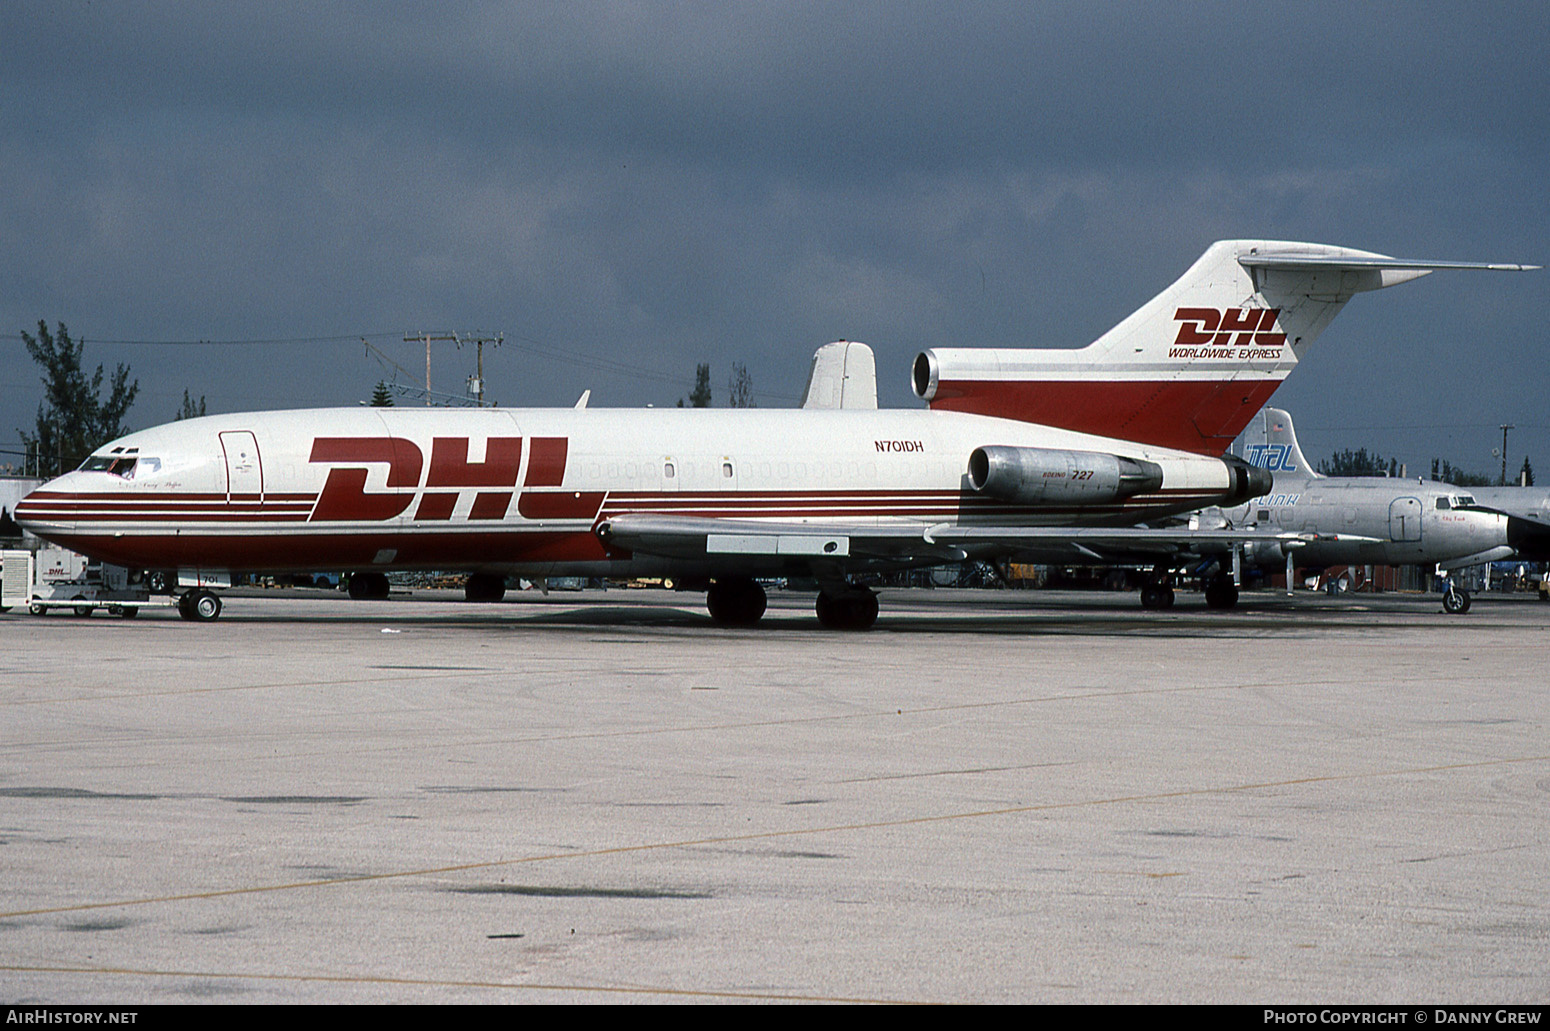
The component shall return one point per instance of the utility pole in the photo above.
(428, 337)
(1505, 427)
(476, 384)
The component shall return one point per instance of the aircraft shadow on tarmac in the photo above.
(905, 612)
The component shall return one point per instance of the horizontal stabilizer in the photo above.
(1293, 260)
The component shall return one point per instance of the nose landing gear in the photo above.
(201, 606)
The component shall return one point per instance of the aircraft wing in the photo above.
(694, 537)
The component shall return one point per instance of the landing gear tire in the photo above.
(200, 606)
(369, 586)
(1221, 594)
(736, 601)
(1455, 602)
(1157, 596)
(484, 587)
(847, 610)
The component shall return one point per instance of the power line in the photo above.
(597, 363)
(257, 342)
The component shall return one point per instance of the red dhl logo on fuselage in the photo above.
(1218, 332)
(345, 498)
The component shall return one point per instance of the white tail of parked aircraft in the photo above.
(1269, 442)
(1192, 366)
(1020, 451)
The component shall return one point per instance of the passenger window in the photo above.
(1264, 515)
(726, 469)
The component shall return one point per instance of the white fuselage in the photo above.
(522, 490)
(1372, 521)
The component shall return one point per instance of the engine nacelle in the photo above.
(1248, 481)
(1046, 476)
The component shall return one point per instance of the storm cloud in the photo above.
(624, 190)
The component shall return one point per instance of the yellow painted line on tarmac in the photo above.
(414, 982)
(772, 835)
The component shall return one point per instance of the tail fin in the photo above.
(1192, 366)
(1270, 442)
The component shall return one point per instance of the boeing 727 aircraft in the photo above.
(1017, 451)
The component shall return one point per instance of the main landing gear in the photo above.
(1221, 592)
(739, 601)
(735, 601)
(1157, 593)
(484, 587)
(852, 608)
(373, 586)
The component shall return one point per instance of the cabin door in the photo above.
(1405, 519)
(244, 470)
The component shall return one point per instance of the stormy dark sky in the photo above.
(228, 197)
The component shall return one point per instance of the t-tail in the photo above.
(1269, 442)
(1193, 365)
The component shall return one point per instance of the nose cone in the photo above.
(50, 510)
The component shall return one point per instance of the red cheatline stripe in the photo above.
(178, 496)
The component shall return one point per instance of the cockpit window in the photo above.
(118, 465)
(1443, 504)
(1463, 501)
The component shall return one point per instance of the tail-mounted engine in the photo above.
(1045, 476)
(1248, 481)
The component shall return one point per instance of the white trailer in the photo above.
(63, 579)
(15, 579)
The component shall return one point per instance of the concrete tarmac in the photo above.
(991, 797)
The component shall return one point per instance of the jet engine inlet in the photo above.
(1048, 476)
(925, 375)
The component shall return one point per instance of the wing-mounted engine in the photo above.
(1047, 476)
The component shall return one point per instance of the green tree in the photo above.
(190, 409)
(740, 387)
(381, 397)
(73, 420)
(1526, 474)
(1444, 471)
(699, 397)
(1358, 463)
